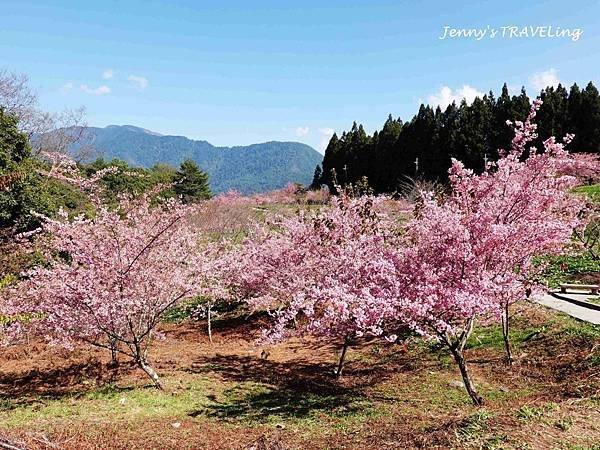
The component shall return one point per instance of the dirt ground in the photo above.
(234, 395)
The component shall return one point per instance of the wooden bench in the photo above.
(580, 287)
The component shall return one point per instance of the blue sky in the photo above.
(239, 72)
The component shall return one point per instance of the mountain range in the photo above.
(247, 169)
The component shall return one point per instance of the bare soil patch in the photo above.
(234, 394)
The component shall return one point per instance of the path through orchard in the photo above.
(571, 304)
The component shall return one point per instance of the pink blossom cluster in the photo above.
(473, 252)
(112, 276)
(322, 272)
(108, 279)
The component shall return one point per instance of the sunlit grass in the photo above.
(109, 403)
(593, 191)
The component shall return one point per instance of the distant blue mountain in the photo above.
(248, 169)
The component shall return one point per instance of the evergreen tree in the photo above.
(331, 161)
(316, 182)
(357, 155)
(418, 147)
(385, 144)
(588, 137)
(471, 133)
(448, 140)
(502, 133)
(475, 133)
(191, 183)
(552, 117)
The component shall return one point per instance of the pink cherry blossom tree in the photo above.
(108, 279)
(470, 255)
(321, 273)
(525, 197)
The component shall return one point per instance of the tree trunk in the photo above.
(208, 319)
(114, 355)
(506, 334)
(151, 373)
(340, 367)
(457, 350)
(466, 376)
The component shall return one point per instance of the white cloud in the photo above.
(302, 131)
(67, 86)
(326, 134)
(140, 83)
(100, 90)
(108, 74)
(446, 95)
(542, 80)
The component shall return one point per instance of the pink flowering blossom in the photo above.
(108, 279)
(322, 273)
(470, 255)
(290, 194)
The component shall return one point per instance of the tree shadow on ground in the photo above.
(264, 403)
(305, 374)
(291, 389)
(56, 383)
(297, 374)
(233, 322)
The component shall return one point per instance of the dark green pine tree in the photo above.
(574, 114)
(191, 183)
(521, 105)
(357, 155)
(431, 152)
(417, 147)
(316, 182)
(502, 134)
(385, 145)
(588, 137)
(474, 137)
(552, 116)
(448, 139)
(331, 162)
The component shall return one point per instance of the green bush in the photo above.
(25, 191)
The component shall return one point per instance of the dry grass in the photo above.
(229, 396)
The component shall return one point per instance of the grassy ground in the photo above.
(579, 268)
(232, 395)
(592, 190)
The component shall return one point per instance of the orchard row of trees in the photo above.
(424, 146)
(344, 271)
